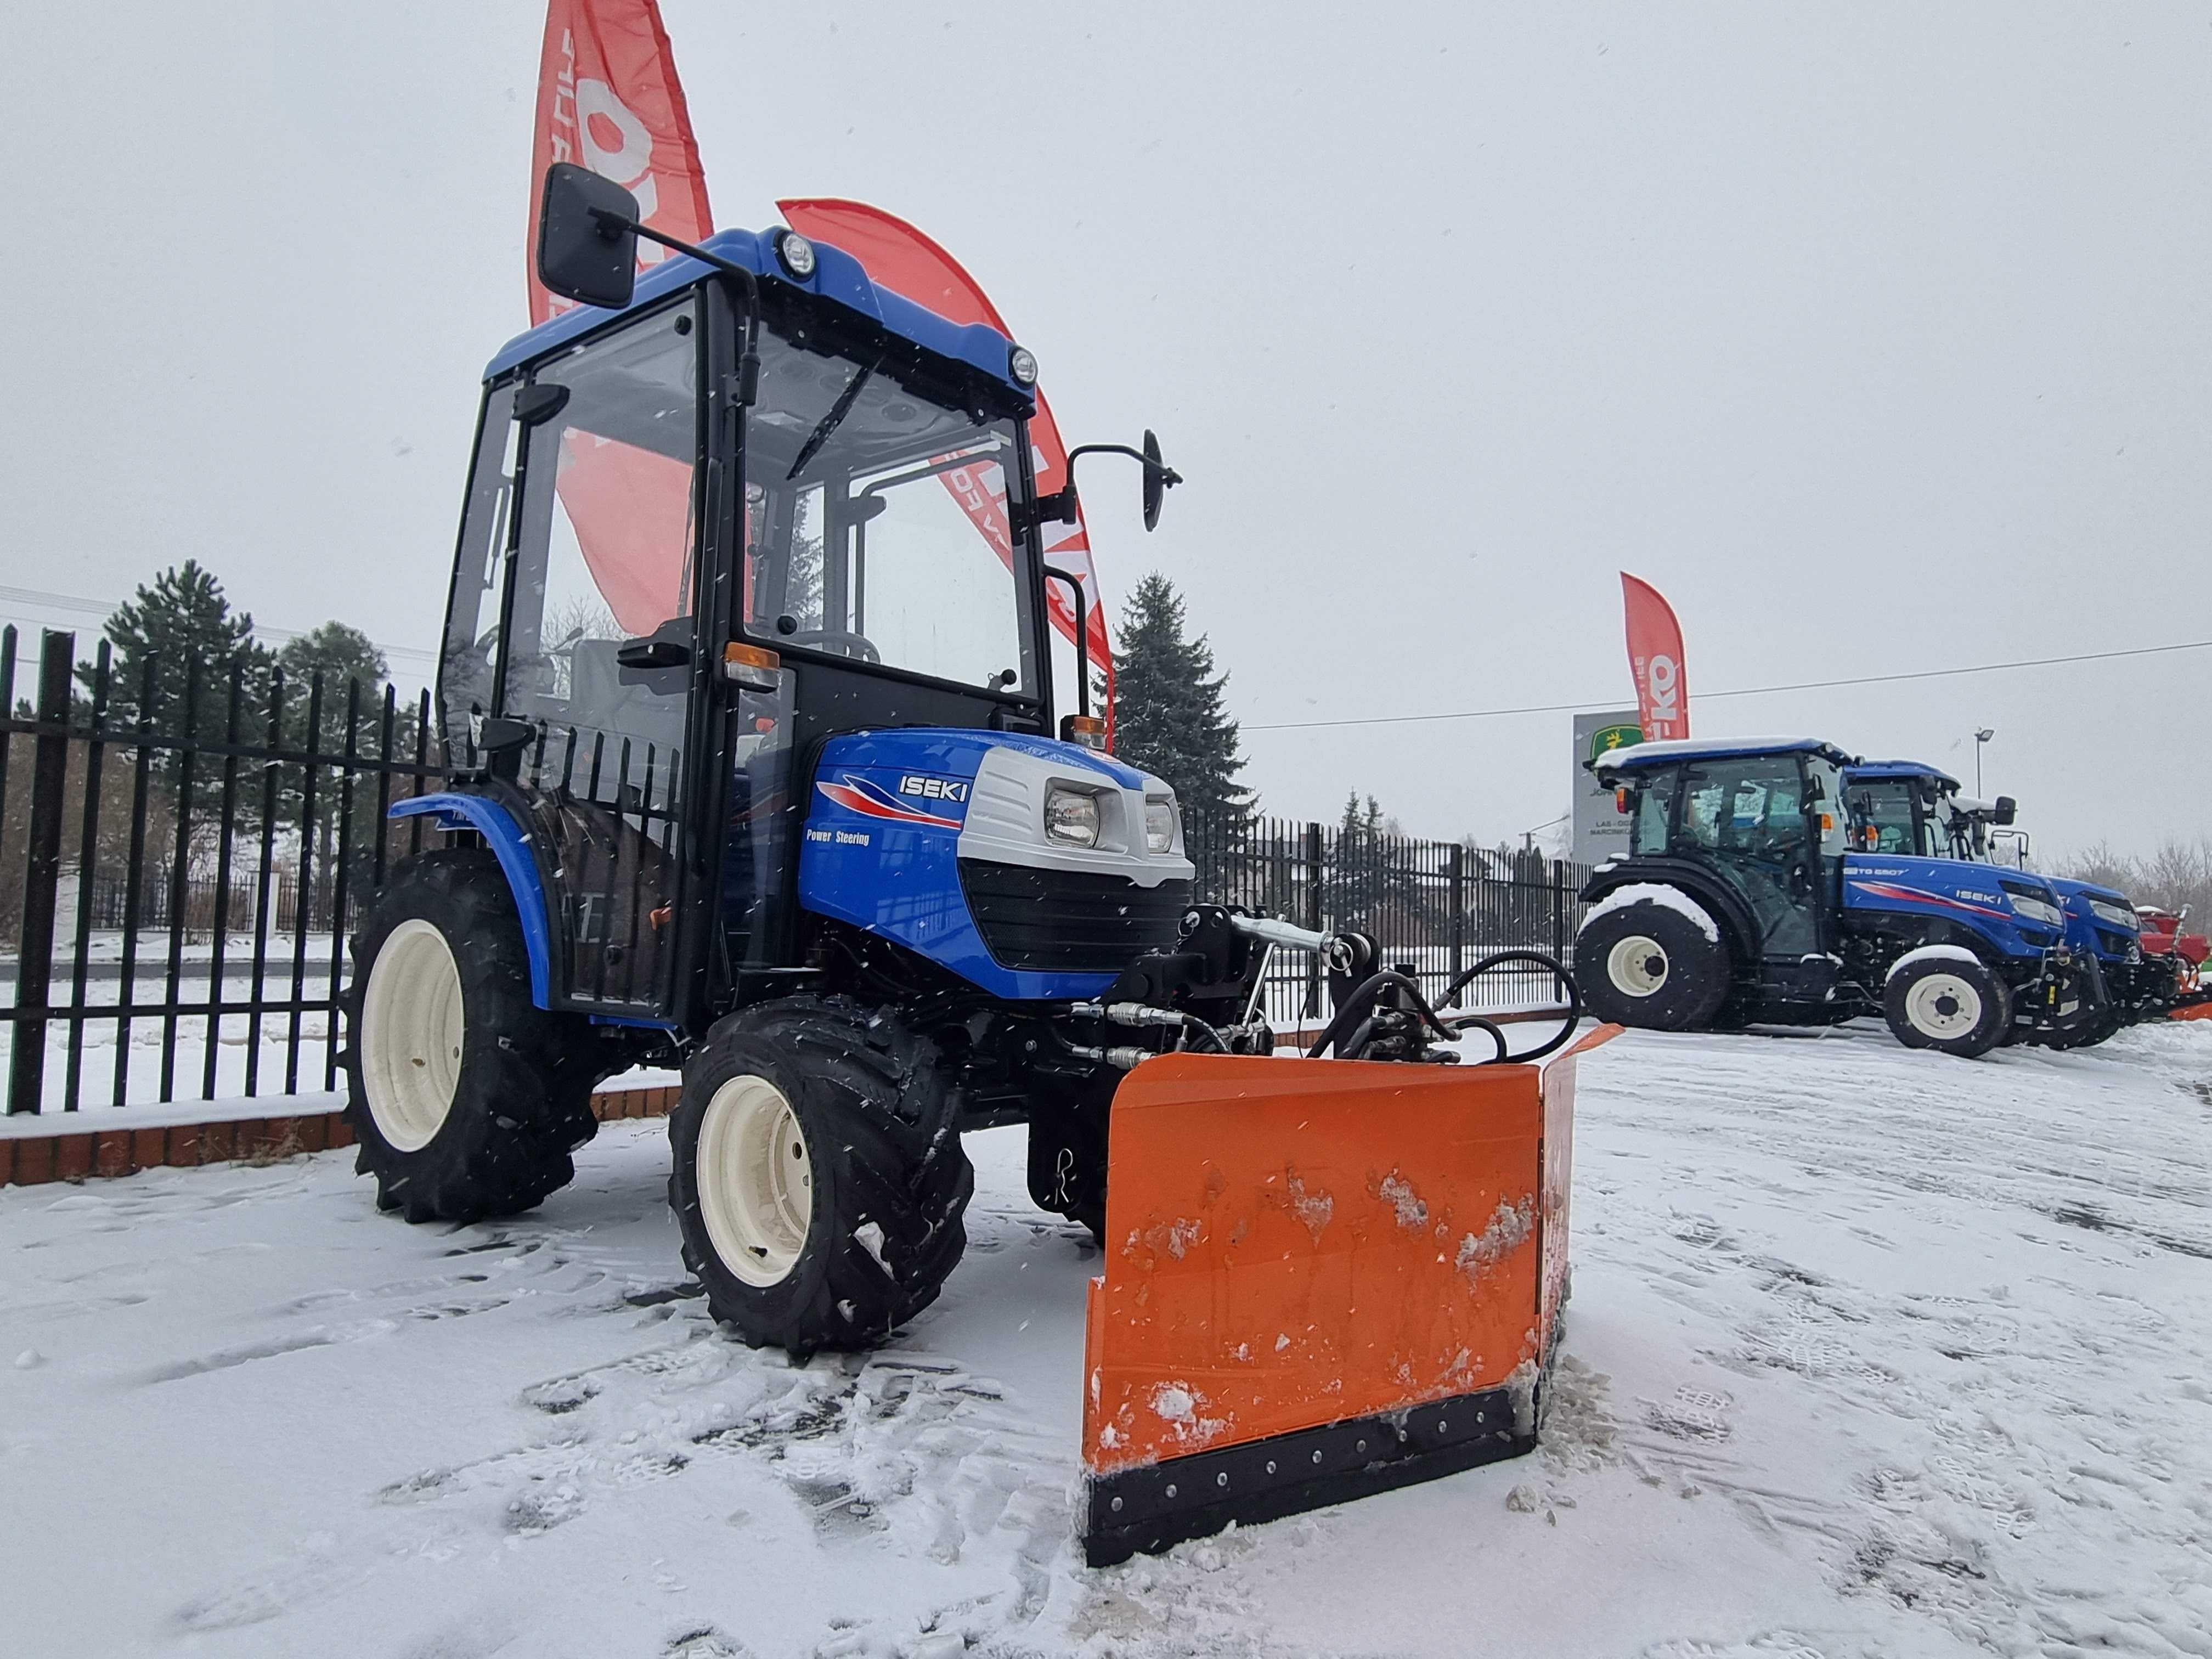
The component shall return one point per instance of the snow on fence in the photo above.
(178, 872)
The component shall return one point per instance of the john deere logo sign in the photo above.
(1608, 737)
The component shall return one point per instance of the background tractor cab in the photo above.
(1742, 899)
(1890, 800)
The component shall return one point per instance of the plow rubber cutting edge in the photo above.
(1323, 1279)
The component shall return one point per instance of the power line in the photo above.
(103, 609)
(1739, 691)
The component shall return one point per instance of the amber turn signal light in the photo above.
(750, 667)
(1088, 730)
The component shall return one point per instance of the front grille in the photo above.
(1070, 920)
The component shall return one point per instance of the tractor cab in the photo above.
(1907, 807)
(759, 504)
(1755, 827)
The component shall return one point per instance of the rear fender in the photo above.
(1739, 927)
(511, 844)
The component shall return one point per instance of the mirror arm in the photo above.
(749, 362)
(1054, 573)
(1059, 508)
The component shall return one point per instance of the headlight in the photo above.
(1159, 823)
(2113, 915)
(796, 254)
(2037, 910)
(1022, 364)
(1071, 817)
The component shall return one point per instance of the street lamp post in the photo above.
(1529, 837)
(1981, 735)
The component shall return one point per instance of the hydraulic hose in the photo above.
(1353, 1024)
(1570, 1015)
(1356, 1007)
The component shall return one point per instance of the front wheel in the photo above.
(1952, 1003)
(1652, 964)
(819, 1180)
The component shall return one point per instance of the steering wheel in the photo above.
(852, 644)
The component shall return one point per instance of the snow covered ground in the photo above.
(1871, 1352)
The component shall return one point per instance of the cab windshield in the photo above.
(877, 521)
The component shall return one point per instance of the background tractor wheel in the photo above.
(819, 1180)
(464, 1098)
(1949, 1004)
(1648, 965)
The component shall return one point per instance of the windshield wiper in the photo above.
(830, 421)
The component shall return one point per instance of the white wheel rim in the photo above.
(412, 1027)
(1942, 1006)
(755, 1180)
(1636, 965)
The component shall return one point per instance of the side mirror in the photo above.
(652, 654)
(1158, 478)
(587, 237)
(2008, 810)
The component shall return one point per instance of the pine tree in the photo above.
(344, 657)
(1168, 713)
(182, 625)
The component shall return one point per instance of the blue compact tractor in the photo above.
(1741, 900)
(1896, 805)
(747, 706)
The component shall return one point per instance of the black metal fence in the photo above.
(183, 849)
(1434, 908)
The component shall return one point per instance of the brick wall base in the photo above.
(102, 1154)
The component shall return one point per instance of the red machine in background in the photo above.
(2162, 936)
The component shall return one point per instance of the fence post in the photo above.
(1455, 868)
(1313, 917)
(26, 1070)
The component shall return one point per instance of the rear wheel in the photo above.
(1648, 964)
(1950, 1003)
(464, 1098)
(819, 1180)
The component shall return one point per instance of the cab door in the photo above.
(596, 646)
(1748, 816)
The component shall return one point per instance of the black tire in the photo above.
(520, 1098)
(2099, 1028)
(871, 1228)
(1675, 980)
(1950, 1003)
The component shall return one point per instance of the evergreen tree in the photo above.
(182, 626)
(1168, 713)
(340, 654)
(344, 657)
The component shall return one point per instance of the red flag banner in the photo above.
(608, 99)
(907, 262)
(1655, 658)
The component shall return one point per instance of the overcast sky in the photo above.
(1879, 338)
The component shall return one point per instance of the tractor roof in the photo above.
(838, 276)
(1868, 770)
(1637, 757)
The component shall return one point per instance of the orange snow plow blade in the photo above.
(1323, 1279)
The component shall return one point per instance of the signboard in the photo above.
(1601, 828)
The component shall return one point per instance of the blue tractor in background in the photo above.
(1741, 900)
(746, 700)
(1897, 805)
